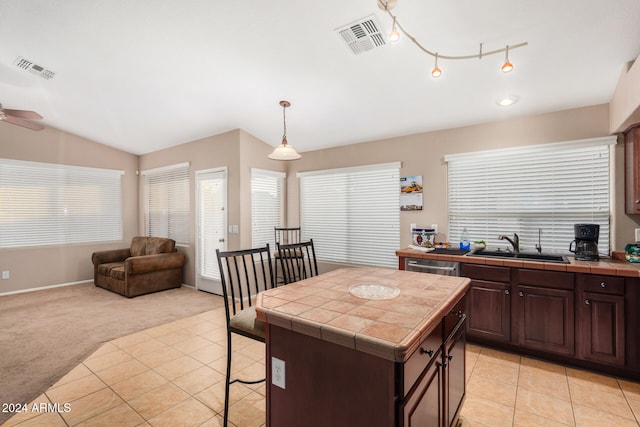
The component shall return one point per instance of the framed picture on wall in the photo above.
(411, 193)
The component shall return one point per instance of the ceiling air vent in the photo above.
(25, 64)
(362, 35)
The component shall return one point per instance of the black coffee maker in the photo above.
(586, 243)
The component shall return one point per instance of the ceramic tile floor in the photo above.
(173, 375)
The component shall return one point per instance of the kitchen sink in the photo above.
(523, 256)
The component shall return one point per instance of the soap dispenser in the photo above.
(465, 244)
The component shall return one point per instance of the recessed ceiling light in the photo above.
(507, 100)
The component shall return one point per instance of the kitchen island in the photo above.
(337, 359)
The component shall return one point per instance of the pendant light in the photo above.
(284, 151)
(507, 66)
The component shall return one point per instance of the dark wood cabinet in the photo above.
(545, 319)
(544, 310)
(632, 170)
(425, 405)
(454, 367)
(434, 376)
(488, 302)
(601, 313)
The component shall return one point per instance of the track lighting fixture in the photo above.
(394, 35)
(284, 151)
(436, 72)
(507, 66)
(388, 5)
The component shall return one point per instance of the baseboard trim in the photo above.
(22, 291)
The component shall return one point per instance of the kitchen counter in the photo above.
(322, 307)
(616, 266)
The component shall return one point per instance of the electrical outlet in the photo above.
(277, 372)
(412, 226)
(435, 228)
(637, 234)
(5, 275)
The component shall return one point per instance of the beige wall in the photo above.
(236, 150)
(47, 266)
(423, 154)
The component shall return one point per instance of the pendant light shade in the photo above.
(284, 151)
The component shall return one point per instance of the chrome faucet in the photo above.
(515, 242)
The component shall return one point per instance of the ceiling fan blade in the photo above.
(22, 114)
(21, 122)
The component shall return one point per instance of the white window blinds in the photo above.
(352, 214)
(521, 190)
(166, 201)
(51, 204)
(266, 206)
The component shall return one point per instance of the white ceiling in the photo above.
(149, 74)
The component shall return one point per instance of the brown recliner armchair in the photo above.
(151, 264)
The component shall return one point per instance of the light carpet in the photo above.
(44, 334)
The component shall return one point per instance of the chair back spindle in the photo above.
(298, 261)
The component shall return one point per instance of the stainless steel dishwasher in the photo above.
(444, 268)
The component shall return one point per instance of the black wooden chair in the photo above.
(243, 274)
(284, 236)
(297, 261)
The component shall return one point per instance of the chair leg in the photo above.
(227, 382)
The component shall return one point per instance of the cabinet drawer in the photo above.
(424, 355)
(545, 278)
(486, 272)
(603, 284)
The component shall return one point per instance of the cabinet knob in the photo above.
(587, 301)
(507, 291)
(450, 356)
(521, 293)
(637, 202)
(427, 352)
(603, 285)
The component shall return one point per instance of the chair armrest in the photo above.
(148, 263)
(113, 255)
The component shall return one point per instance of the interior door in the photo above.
(211, 224)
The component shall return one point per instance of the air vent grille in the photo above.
(362, 35)
(25, 64)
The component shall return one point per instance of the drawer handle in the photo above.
(603, 285)
(587, 301)
(521, 293)
(427, 352)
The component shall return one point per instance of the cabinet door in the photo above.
(632, 170)
(489, 310)
(602, 328)
(454, 372)
(424, 407)
(546, 319)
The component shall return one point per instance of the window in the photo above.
(51, 204)
(166, 202)
(522, 190)
(266, 205)
(353, 214)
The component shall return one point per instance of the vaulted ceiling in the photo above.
(149, 74)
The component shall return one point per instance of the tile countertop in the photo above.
(615, 266)
(392, 329)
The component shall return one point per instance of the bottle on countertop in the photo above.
(465, 243)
